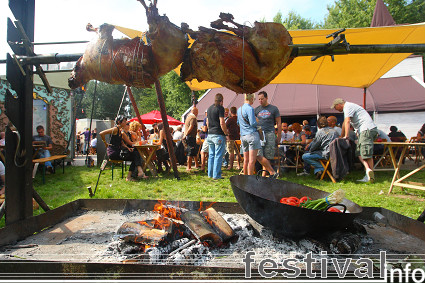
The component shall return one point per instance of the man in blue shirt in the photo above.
(41, 138)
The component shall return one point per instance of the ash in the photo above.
(251, 237)
(91, 236)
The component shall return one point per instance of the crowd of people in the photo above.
(263, 139)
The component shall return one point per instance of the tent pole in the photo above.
(169, 139)
(364, 98)
(136, 110)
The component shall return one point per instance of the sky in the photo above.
(65, 20)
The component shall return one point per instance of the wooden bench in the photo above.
(36, 162)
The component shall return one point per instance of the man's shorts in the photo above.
(205, 146)
(250, 142)
(364, 146)
(230, 146)
(191, 146)
(269, 149)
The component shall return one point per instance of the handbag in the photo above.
(259, 130)
(125, 154)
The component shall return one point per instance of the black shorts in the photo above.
(192, 149)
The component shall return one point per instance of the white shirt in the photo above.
(177, 135)
(360, 119)
(93, 142)
(286, 136)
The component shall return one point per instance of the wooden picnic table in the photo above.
(36, 148)
(299, 148)
(147, 151)
(397, 179)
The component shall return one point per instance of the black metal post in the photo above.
(19, 189)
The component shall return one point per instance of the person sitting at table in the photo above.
(118, 142)
(309, 135)
(131, 153)
(162, 154)
(421, 138)
(178, 134)
(154, 133)
(136, 134)
(318, 148)
(285, 137)
(396, 135)
(332, 124)
(299, 136)
(378, 149)
(44, 139)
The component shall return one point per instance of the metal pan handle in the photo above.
(259, 173)
(337, 204)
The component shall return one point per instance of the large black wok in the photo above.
(259, 197)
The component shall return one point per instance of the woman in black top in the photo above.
(116, 145)
(162, 154)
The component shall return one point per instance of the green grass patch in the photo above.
(64, 188)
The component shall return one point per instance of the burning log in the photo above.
(221, 227)
(146, 232)
(197, 224)
(170, 211)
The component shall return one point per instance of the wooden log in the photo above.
(170, 211)
(169, 138)
(136, 110)
(219, 224)
(145, 232)
(197, 224)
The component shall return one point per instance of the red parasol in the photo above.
(155, 117)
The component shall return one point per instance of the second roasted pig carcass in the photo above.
(131, 61)
(244, 61)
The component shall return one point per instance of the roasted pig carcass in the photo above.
(131, 61)
(244, 61)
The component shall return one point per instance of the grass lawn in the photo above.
(63, 188)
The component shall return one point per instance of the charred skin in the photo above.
(244, 62)
(123, 61)
(131, 61)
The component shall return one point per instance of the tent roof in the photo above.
(386, 95)
(155, 117)
(381, 15)
(353, 70)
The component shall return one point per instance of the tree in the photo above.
(358, 13)
(107, 101)
(293, 21)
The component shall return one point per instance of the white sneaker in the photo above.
(365, 179)
(303, 173)
(371, 175)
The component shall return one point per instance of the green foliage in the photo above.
(359, 13)
(107, 101)
(177, 96)
(293, 21)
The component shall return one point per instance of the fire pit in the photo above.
(82, 241)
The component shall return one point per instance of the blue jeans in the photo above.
(313, 160)
(43, 153)
(217, 145)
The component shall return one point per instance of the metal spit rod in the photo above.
(298, 50)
